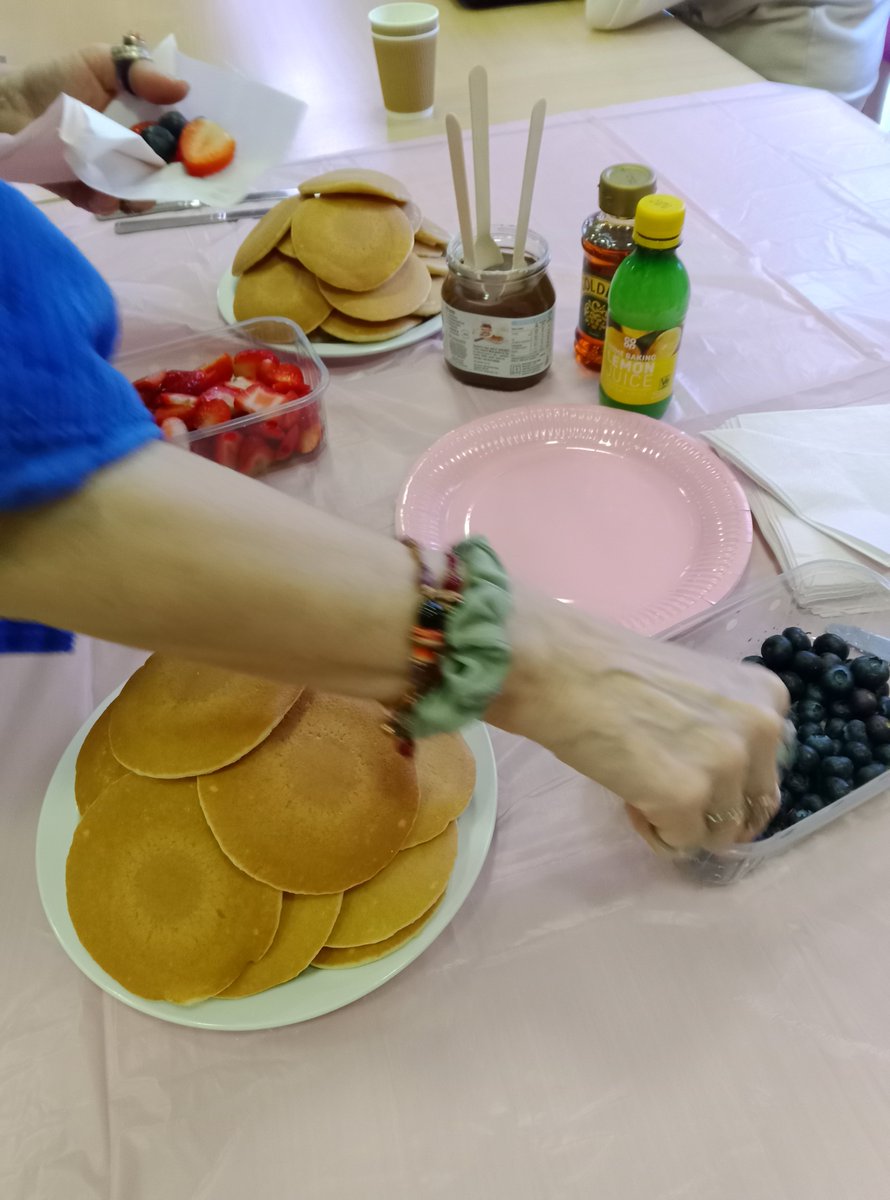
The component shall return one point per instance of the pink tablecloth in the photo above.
(591, 1024)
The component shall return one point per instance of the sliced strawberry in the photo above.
(218, 371)
(212, 411)
(310, 439)
(173, 428)
(226, 447)
(140, 125)
(247, 362)
(289, 445)
(221, 391)
(205, 147)
(149, 386)
(183, 412)
(280, 377)
(191, 382)
(257, 399)
(254, 457)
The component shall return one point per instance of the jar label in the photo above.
(639, 364)
(594, 303)
(503, 347)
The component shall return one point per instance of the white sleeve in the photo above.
(618, 14)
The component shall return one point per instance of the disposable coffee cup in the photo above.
(405, 37)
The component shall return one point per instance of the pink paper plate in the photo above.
(612, 511)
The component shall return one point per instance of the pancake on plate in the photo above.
(353, 242)
(348, 329)
(353, 181)
(96, 766)
(325, 803)
(431, 234)
(305, 925)
(355, 956)
(265, 235)
(398, 895)
(156, 902)
(446, 772)
(398, 297)
(432, 306)
(174, 718)
(280, 287)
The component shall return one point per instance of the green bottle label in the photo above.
(639, 364)
(594, 303)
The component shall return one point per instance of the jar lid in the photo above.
(622, 187)
(659, 222)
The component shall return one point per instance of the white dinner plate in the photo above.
(311, 994)
(225, 302)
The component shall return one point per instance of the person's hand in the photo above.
(689, 742)
(89, 76)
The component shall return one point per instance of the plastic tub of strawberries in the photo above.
(247, 396)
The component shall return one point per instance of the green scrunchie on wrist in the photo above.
(477, 655)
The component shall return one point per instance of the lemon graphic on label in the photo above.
(615, 338)
(666, 344)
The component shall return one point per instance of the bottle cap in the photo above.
(622, 187)
(659, 222)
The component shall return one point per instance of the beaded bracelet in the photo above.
(460, 653)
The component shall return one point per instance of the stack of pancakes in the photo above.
(235, 831)
(351, 257)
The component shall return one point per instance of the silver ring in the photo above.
(132, 49)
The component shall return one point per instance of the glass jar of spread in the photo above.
(497, 325)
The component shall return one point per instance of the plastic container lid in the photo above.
(622, 187)
(659, 222)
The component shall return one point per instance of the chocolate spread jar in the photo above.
(497, 325)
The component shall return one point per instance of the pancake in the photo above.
(398, 297)
(349, 330)
(414, 215)
(155, 901)
(431, 234)
(286, 246)
(352, 181)
(281, 287)
(354, 956)
(96, 766)
(306, 923)
(398, 895)
(446, 772)
(424, 251)
(264, 236)
(324, 804)
(175, 718)
(436, 266)
(432, 306)
(354, 242)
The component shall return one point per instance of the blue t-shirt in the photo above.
(64, 411)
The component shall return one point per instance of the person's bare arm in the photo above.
(166, 551)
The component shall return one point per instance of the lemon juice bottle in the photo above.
(648, 300)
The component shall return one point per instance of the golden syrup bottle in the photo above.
(607, 240)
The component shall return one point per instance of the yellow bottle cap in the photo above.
(659, 222)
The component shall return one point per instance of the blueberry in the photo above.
(836, 727)
(777, 652)
(837, 746)
(881, 754)
(793, 683)
(813, 691)
(807, 730)
(824, 746)
(834, 788)
(798, 814)
(855, 731)
(840, 708)
(829, 643)
(863, 702)
(869, 772)
(884, 706)
(798, 639)
(859, 753)
(808, 665)
(838, 767)
(812, 801)
(837, 681)
(883, 690)
(161, 141)
(810, 710)
(807, 759)
(869, 671)
(795, 784)
(878, 729)
(830, 660)
(174, 122)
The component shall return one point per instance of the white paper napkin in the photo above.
(72, 141)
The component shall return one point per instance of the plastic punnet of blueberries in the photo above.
(840, 707)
